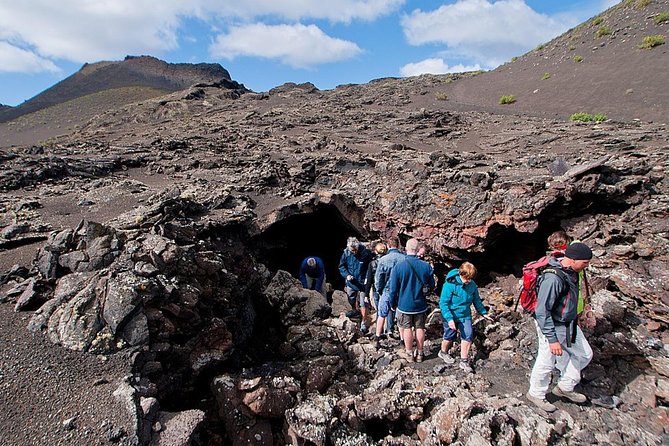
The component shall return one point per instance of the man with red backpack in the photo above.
(562, 344)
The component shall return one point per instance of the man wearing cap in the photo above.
(562, 344)
(312, 274)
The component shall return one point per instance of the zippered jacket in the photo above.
(456, 298)
(356, 266)
(557, 298)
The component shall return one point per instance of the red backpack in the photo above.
(531, 272)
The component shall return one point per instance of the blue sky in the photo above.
(265, 43)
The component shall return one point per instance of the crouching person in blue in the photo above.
(457, 296)
(312, 274)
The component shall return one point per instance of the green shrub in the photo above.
(546, 75)
(578, 58)
(587, 117)
(571, 48)
(640, 4)
(661, 17)
(597, 20)
(514, 58)
(441, 96)
(540, 47)
(603, 31)
(649, 42)
(507, 99)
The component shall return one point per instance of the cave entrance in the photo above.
(321, 232)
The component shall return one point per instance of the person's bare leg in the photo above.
(379, 325)
(408, 339)
(446, 346)
(464, 349)
(420, 339)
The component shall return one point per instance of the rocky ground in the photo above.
(145, 295)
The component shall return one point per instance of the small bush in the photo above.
(441, 96)
(546, 76)
(578, 58)
(540, 47)
(587, 117)
(649, 42)
(514, 58)
(640, 4)
(603, 31)
(507, 99)
(597, 20)
(661, 17)
(571, 48)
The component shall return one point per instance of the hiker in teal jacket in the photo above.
(457, 296)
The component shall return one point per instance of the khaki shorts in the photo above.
(411, 320)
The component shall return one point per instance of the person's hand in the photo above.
(488, 317)
(556, 348)
(349, 277)
(451, 324)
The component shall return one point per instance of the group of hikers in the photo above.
(397, 284)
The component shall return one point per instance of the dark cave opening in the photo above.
(321, 233)
(506, 250)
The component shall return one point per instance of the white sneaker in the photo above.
(464, 365)
(448, 359)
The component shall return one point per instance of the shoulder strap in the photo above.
(414, 271)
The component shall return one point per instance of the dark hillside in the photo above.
(143, 71)
(596, 67)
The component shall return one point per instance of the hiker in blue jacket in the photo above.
(353, 266)
(312, 274)
(457, 296)
(410, 279)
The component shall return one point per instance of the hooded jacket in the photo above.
(557, 298)
(457, 298)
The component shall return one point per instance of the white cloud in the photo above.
(487, 32)
(298, 46)
(434, 66)
(18, 60)
(88, 31)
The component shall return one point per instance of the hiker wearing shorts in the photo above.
(409, 282)
(562, 344)
(384, 313)
(458, 294)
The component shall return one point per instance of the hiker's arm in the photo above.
(321, 274)
(478, 304)
(343, 267)
(549, 289)
(303, 276)
(393, 288)
(445, 301)
(380, 278)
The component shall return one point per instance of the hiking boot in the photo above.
(363, 328)
(574, 397)
(352, 313)
(406, 355)
(464, 365)
(448, 359)
(419, 356)
(377, 342)
(541, 403)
